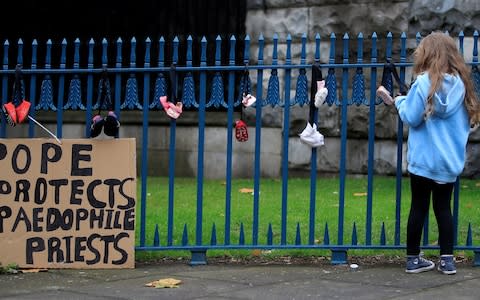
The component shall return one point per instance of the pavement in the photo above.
(283, 280)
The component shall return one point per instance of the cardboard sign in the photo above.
(67, 206)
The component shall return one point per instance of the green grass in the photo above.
(270, 211)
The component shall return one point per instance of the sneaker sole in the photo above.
(447, 272)
(420, 270)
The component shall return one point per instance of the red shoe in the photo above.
(241, 131)
(22, 111)
(9, 113)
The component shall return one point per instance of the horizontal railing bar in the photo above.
(205, 68)
(269, 247)
(199, 68)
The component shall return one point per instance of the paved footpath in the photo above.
(247, 281)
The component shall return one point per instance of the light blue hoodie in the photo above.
(437, 145)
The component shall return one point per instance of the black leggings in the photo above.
(421, 189)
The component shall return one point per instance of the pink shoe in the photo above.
(321, 94)
(173, 111)
(383, 94)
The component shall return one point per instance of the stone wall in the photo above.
(312, 17)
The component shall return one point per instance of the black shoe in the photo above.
(112, 124)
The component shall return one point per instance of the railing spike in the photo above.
(469, 235)
(354, 234)
(213, 239)
(156, 237)
(241, 238)
(326, 236)
(298, 239)
(383, 238)
(185, 235)
(270, 235)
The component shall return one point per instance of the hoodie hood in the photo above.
(450, 97)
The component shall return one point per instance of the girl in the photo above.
(439, 109)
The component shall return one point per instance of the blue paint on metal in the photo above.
(185, 235)
(313, 160)
(211, 92)
(339, 256)
(213, 239)
(198, 258)
(285, 140)
(144, 162)
(74, 100)
(383, 237)
(228, 170)
(469, 235)
(88, 117)
(156, 237)
(171, 154)
(131, 100)
(257, 157)
(273, 90)
(217, 96)
(46, 89)
(241, 236)
(301, 95)
(371, 143)
(270, 235)
(201, 143)
(298, 236)
(354, 235)
(61, 87)
(33, 88)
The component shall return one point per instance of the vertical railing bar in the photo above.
(201, 139)
(286, 126)
(33, 87)
(343, 142)
(88, 110)
(145, 137)
(6, 45)
(228, 175)
(171, 155)
(258, 139)
(61, 89)
(118, 78)
(313, 157)
(398, 200)
(371, 141)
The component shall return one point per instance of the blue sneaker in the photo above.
(447, 265)
(417, 264)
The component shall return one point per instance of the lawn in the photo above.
(297, 212)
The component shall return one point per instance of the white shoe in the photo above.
(383, 94)
(249, 100)
(321, 94)
(312, 138)
(308, 130)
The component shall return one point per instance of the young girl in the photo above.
(439, 109)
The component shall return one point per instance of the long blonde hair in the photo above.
(437, 54)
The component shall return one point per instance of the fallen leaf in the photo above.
(32, 270)
(477, 184)
(256, 252)
(164, 283)
(359, 194)
(245, 191)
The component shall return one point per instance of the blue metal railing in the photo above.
(74, 79)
